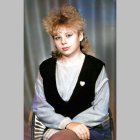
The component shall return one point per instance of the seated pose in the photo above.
(72, 90)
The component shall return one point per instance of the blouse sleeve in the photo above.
(44, 111)
(99, 107)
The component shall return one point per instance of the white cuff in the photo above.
(64, 122)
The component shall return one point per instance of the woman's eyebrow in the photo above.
(69, 32)
(60, 32)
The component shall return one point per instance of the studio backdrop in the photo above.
(100, 16)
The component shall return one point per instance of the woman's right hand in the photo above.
(80, 129)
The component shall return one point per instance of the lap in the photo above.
(101, 132)
(64, 135)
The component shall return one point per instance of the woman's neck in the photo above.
(72, 59)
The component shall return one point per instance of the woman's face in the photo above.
(67, 41)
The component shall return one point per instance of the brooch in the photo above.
(82, 83)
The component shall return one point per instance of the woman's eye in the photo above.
(57, 38)
(68, 35)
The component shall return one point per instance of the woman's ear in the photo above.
(81, 36)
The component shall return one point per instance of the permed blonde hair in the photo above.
(69, 17)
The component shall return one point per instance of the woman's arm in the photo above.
(96, 113)
(44, 111)
(99, 107)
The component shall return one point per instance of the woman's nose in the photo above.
(63, 41)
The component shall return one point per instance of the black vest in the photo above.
(82, 95)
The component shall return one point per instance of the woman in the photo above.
(72, 90)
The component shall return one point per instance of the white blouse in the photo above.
(67, 76)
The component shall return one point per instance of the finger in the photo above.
(87, 133)
(83, 134)
(79, 133)
(83, 130)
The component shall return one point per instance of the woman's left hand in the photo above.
(80, 129)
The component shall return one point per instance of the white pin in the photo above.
(82, 83)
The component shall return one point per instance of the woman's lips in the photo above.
(65, 48)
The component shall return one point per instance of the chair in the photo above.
(111, 124)
(37, 128)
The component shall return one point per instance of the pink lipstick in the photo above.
(65, 48)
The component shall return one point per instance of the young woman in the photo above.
(72, 89)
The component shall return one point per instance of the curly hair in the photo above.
(69, 17)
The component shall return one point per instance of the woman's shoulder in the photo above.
(47, 62)
(94, 59)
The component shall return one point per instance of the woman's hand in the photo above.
(80, 129)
